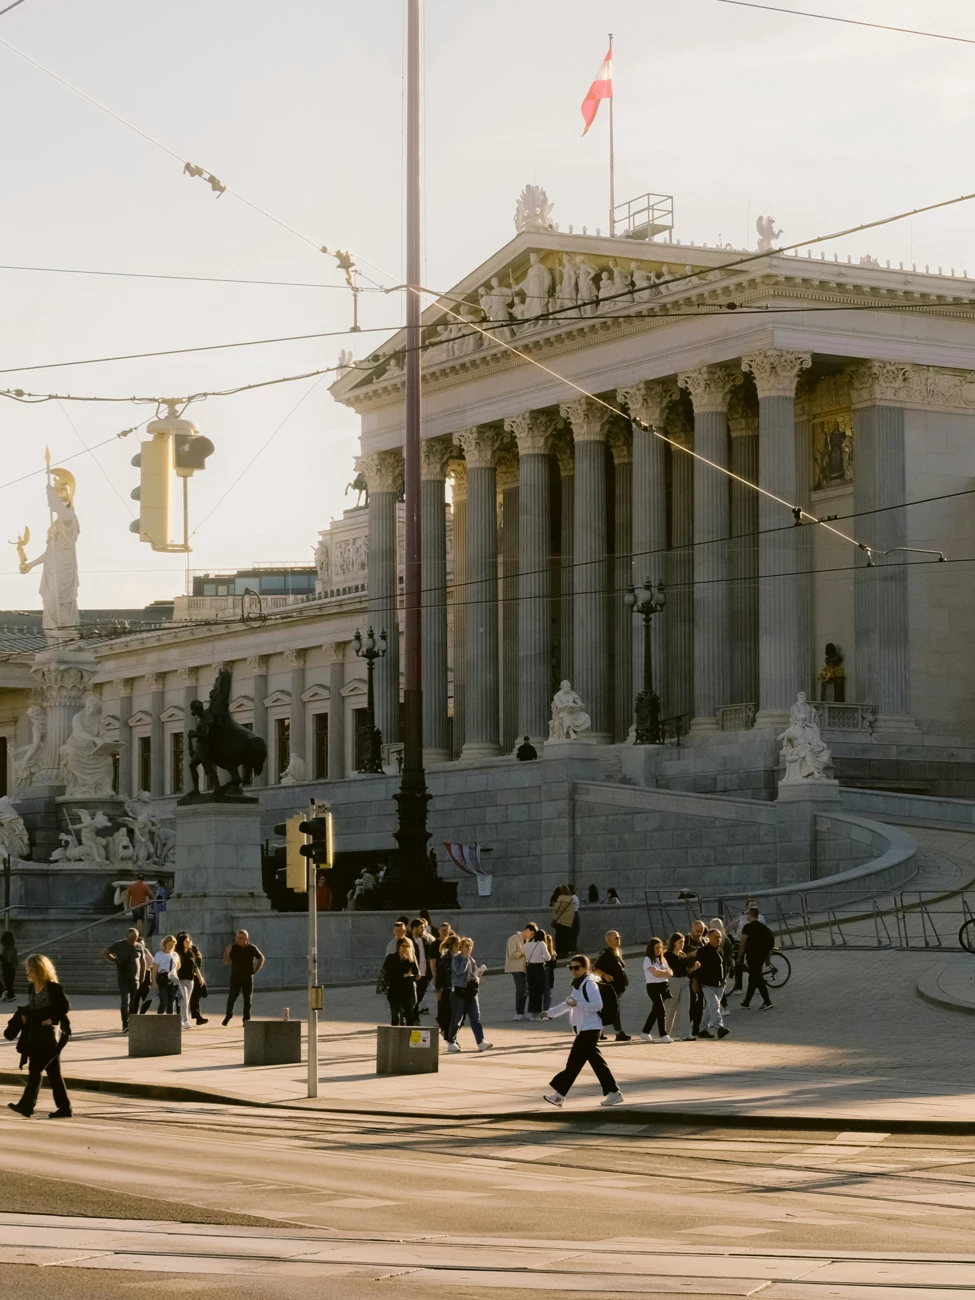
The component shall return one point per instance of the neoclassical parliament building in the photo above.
(597, 412)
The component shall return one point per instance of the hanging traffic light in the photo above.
(295, 873)
(177, 447)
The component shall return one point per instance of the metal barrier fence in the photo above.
(835, 918)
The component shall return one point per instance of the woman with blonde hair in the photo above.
(466, 977)
(37, 1042)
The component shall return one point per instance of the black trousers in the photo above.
(128, 996)
(43, 1059)
(697, 1005)
(8, 969)
(195, 1013)
(756, 983)
(585, 1047)
(402, 1005)
(443, 1012)
(245, 985)
(655, 992)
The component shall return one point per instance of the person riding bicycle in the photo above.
(756, 945)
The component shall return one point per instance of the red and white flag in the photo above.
(601, 88)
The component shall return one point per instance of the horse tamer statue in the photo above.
(219, 742)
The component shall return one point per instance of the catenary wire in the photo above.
(193, 279)
(105, 476)
(853, 22)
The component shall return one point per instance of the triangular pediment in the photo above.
(141, 718)
(242, 704)
(316, 692)
(173, 714)
(357, 686)
(277, 698)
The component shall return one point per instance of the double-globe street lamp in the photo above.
(368, 648)
(647, 601)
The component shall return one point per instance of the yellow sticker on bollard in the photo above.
(419, 1037)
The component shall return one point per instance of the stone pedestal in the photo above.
(155, 1036)
(218, 877)
(820, 792)
(272, 1042)
(61, 679)
(795, 839)
(401, 1049)
(37, 804)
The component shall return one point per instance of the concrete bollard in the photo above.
(405, 1049)
(155, 1036)
(272, 1042)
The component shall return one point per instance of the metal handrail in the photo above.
(112, 916)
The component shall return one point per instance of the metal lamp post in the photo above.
(369, 649)
(647, 601)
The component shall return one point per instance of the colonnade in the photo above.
(632, 504)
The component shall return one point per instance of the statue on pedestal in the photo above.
(569, 717)
(29, 760)
(87, 845)
(803, 751)
(14, 839)
(220, 742)
(85, 758)
(833, 675)
(295, 772)
(59, 582)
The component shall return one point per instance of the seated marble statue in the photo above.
(805, 755)
(295, 772)
(13, 833)
(569, 718)
(85, 758)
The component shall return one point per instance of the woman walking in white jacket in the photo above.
(583, 1004)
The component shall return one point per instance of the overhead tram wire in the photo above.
(10, 6)
(190, 279)
(852, 22)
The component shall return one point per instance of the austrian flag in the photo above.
(601, 88)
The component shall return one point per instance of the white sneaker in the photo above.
(554, 1098)
(484, 1046)
(533, 1017)
(666, 1039)
(522, 1017)
(453, 1047)
(612, 1099)
(648, 1038)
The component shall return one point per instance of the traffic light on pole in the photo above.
(294, 848)
(318, 845)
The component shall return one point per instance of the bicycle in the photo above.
(966, 936)
(778, 969)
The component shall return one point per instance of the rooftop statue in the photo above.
(532, 210)
(59, 579)
(767, 234)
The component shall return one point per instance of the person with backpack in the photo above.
(757, 942)
(584, 1005)
(611, 970)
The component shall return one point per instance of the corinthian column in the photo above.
(679, 613)
(481, 723)
(648, 404)
(532, 432)
(334, 654)
(780, 659)
(258, 666)
(878, 392)
(458, 475)
(384, 477)
(295, 659)
(743, 427)
(710, 388)
(565, 454)
(590, 422)
(507, 465)
(123, 688)
(188, 676)
(620, 616)
(433, 523)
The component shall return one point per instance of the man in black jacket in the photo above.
(711, 976)
(757, 942)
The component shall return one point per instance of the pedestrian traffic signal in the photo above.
(318, 846)
(295, 873)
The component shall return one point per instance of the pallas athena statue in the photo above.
(59, 579)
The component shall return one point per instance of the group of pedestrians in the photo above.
(174, 974)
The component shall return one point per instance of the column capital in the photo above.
(155, 681)
(434, 454)
(295, 657)
(647, 402)
(257, 663)
(383, 470)
(532, 431)
(677, 429)
(621, 442)
(188, 676)
(589, 419)
(710, 387)
(776, 371)
(742, 416)
(333, 652)
(458, 477)
(507, 463)
(122, 686)
(564, 452)
(895, 383)
(479, 445)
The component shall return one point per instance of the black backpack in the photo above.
(610, 1007)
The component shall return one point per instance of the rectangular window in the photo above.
(3, 765)
(176, 763)
(282, 736)
(145, 762)
(321, 746)
(115, 772)
(359, 718)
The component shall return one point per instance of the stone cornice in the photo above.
(434, 453)
(710, 387)
(590, 420)
(776, 371)
(479, 445)
(647, 402)
(532, 431)
(383, 470)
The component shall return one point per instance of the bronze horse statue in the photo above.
(220, 742)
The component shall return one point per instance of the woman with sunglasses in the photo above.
(583, 1004)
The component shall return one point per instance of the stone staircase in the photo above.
(79, 962)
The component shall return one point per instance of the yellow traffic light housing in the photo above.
(295, 872)
(175, 449)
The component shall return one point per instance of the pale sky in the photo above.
(298, 106)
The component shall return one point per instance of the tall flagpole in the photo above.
(612, 159)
